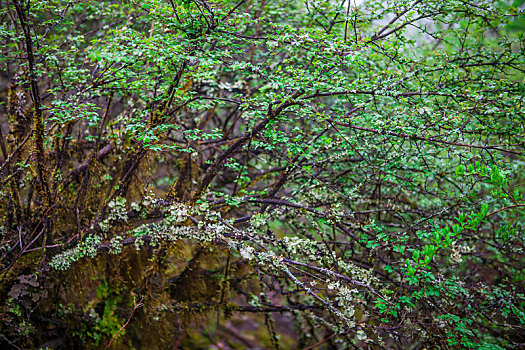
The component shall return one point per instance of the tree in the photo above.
(348, 176)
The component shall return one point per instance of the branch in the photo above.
(414, 137)
(38, 120)
(137, 305)
(219, 163)
(101, 154)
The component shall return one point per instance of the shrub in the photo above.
(357, 167)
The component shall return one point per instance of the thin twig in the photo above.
(137, 305)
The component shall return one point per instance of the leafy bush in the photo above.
(356, 169)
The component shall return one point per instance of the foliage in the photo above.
(355, 170)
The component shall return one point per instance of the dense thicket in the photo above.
(252, 173)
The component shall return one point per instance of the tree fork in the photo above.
(219, 163)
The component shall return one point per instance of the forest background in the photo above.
(262, 174)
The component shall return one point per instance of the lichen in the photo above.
(87, 248)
